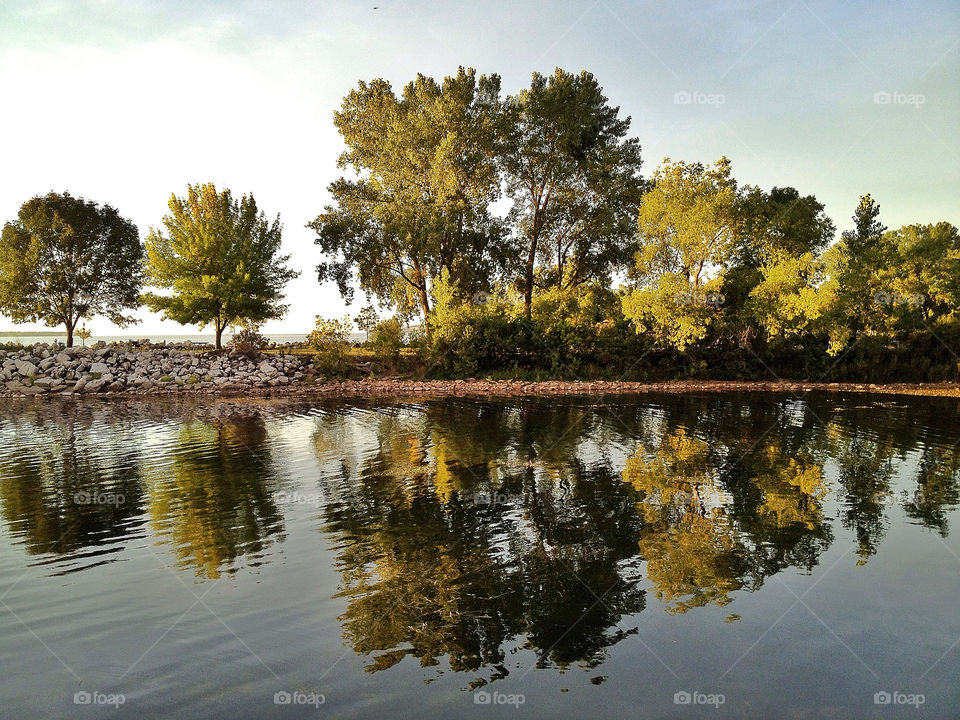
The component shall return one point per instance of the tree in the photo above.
(66, 258)
(574, 180)
(776, 273)
(687, 224)
(367, 319)
(219, 257)
(859, 257)
(779, 224)
(920, 277)
(420, 203)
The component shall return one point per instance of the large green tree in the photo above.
(857, 259)
(574, 177)
(419, 204)
(219, 258)
(776, 274)
(66, 258)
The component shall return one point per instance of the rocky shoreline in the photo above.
(127, 369)
(116, 370)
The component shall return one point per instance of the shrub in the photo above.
(387, 339)
(329, 342)
(248, 341)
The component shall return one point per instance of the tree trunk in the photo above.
(528, 283)
(70, 325)
(219, 328)
(425, 307)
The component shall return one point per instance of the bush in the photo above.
(329, 341)
(248, 341)
(387, 339)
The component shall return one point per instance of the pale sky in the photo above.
(125, 102)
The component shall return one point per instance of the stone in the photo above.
(94, 386)
(99, 367)
(26, 369)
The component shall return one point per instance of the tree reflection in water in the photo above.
(469, 529)
(466, 530)
(215, 498)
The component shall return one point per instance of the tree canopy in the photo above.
(65, 258)
(420, 202)
(687, 225)
(219, 258)
(574, 177)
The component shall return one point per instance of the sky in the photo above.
(125, 102)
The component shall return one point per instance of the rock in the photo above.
(99, 367)
(94, 386)
(26, 369)
(267, 369)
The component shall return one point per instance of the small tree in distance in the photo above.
(367, 319)
(219, 258)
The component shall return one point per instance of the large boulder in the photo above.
(94, 386)
(26, 368)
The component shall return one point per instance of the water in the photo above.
(760, 556)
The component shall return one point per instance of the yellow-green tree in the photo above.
(687, 225)
(219, 259)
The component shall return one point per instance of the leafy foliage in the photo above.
(66, 258)
(330, 342)
(574, 178)
(420, 205)
(219, 258)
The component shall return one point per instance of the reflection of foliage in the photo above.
(693, 554)
(429, 571)
(866, 469)
(694, 561)
(216, 503)
(937, 489)
(55, 457)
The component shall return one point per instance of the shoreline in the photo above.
(387, 387)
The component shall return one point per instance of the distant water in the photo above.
(6, 337)
(712, 556)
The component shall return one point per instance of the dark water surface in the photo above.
(757, 556)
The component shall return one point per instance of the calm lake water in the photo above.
(711, 555)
